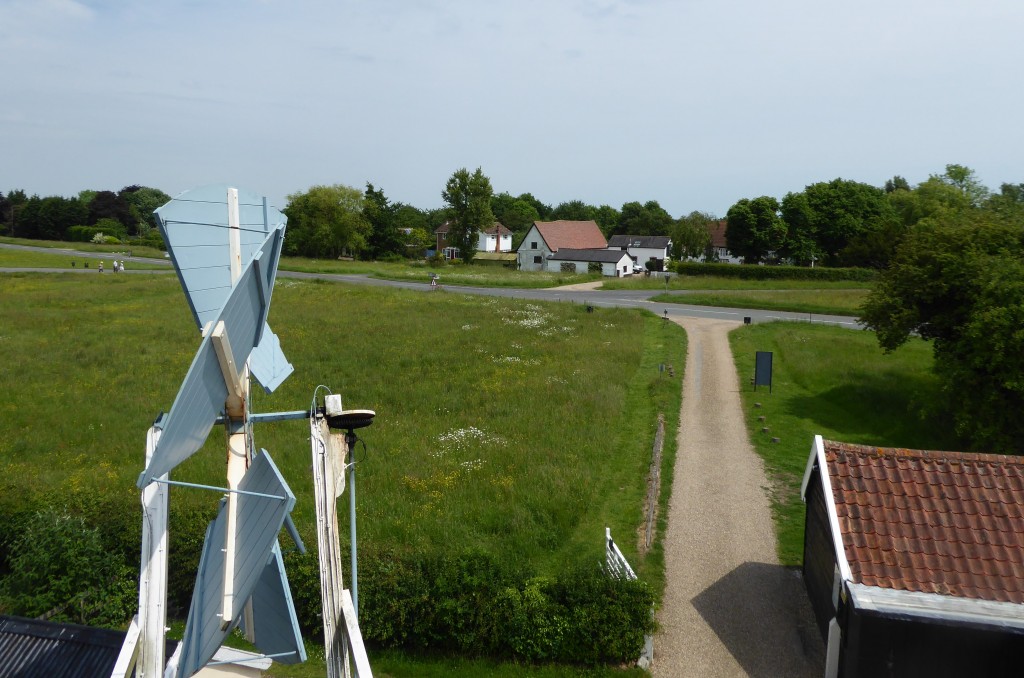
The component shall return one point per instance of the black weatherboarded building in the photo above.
(914, 561)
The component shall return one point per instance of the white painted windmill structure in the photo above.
(225, 246)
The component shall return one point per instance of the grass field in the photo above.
(837, 383)
(520, 428)
(450, 274)
(706, 282)
(11, 258)
(834, 301)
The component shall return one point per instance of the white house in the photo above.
(547, 237)
(719, 246)
(644, 248)
(486, 241)
(613, 263)
(495, 239)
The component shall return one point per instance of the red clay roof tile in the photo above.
(937, 522)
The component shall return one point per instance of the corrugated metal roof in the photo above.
(949, 523)
(30, 648)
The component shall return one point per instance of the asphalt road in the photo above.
(596, 298)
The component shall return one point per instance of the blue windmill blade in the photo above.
(203, 392)
(275, 624)
(195, 228)
(260, 518)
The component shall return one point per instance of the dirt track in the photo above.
(729, 609)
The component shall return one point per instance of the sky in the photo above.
(692, 103)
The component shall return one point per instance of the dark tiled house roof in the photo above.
(947, 523)
(654, 242)
(497, 228)
(579, 235)
(717, 230)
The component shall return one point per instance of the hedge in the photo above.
(472, 604)
(468, 603)
(751, 272)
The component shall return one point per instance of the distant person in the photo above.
(72, 263)
(101, 267)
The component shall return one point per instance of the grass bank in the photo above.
(821, 301)
(837, 383)
(706, 282)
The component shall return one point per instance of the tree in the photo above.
(49, 218)
(755, 230)
(966, 181)
(647, 219)
(574, 210)
(832, 214)
(469, 200)
(516, 214)
(143, 201)
(543, 210)
(326, 221)
(897, 183)
(801, 243)
(607, 217)
(384, 237)
(957, 279)
(691, 235)
(110, 205)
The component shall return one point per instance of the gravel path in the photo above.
(729, 609)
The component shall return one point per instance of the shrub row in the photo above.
(470, 603)
(87, 233)
(473, 604)
(773, 272)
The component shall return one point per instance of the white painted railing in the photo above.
(614, 561)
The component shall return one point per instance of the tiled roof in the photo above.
(498, 228)
(578, 235)
(950, 523)
(717, 230)
(655, 242)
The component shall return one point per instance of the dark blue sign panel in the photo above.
(763, 370)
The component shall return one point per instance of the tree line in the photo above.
(848, 223)
(119, 216)
(328, 221)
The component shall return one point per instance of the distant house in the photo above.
(547, 237)
(914, 561)
(495, 239)
(719, 245)
(444, 248)
(614, 263)
(644, 248)
(496, 236)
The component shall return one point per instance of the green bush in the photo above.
(472, 603)
(748, 272)
(60, 567)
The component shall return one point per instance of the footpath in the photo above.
(729, 608)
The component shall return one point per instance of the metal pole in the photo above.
(350, 442)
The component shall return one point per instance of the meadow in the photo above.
(839, 384)
(826, 301)
(519, 429)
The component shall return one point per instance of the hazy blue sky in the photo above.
(693, 103)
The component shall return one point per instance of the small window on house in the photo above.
(533, 244)
(536, 260)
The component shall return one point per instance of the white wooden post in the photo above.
(328, 483)
(238, 441)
